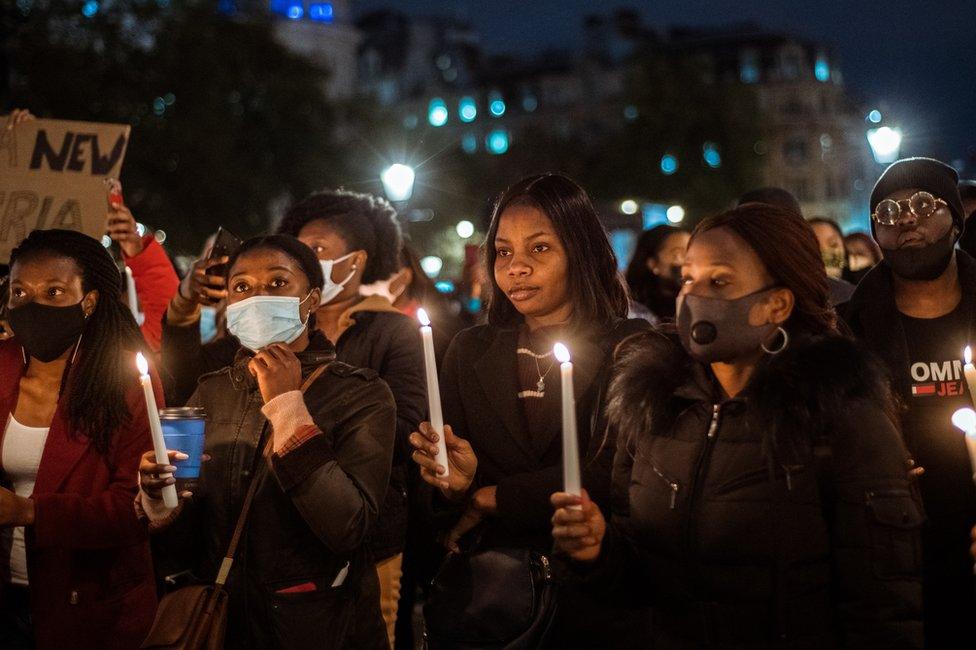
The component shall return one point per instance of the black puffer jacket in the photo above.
(781, 518)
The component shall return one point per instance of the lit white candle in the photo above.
(170, 499)
(970, 371)
(571, 465)
(433, 390)
(965, 420)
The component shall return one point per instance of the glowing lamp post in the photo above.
(398, 182)
(885, 144)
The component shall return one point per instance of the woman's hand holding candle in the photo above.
(170, 498)
(462, 462)
(578, 527)
(153, 476)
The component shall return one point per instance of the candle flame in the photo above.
(142, 364)
(965, 420)
(561, 352)
(423, 317)
(968, 354)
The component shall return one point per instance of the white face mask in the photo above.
(259, 321)
(330, 288)
(384, 288)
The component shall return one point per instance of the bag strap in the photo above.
(259, 474)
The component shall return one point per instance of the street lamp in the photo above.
(885, 143)
(398, 182)
(676, 214)
(464, 229)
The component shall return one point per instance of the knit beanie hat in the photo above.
(935, 177)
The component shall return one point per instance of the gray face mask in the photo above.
(715, 330)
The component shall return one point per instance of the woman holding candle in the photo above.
(356, 239)
(761, 497)
(303, 577)
(554, 278)
(79, 571)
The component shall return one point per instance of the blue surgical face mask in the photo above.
(262, 320)
(208, 323)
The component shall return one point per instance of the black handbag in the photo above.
(491, 599)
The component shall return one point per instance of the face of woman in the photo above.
(49, 280)
(531, 267)
(270, 272)
(328, 244)
(830, 242)
(670, 255)
(720, 264)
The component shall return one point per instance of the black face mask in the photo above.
(924, 263)
(46, 332)
(714, 329)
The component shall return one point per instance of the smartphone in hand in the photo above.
(225, 244)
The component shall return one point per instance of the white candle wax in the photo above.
(964, 419)
(170, 499)
(969, 370)
(971, 446)
(433, 391)
(571, 465)
(130, 292)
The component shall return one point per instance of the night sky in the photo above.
(915, 59)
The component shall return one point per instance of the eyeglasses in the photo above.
(920, 204)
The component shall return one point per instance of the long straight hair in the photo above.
(595, 290)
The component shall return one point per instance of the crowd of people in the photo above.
(764, 414)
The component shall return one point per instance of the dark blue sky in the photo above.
(917, 57)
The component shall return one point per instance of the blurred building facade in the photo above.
(324, 33)
(432, 72)
(813, 133)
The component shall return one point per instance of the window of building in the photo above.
(749, 66)
(821, 68)
(795, 151)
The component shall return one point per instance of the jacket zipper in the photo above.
(699, 470)
(672, 484)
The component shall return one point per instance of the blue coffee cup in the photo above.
(184, 430)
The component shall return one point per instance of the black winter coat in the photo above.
(780, 518)
(479, 389)
(385, 342)
(310, 517)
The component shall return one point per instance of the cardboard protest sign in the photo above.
(52, 175)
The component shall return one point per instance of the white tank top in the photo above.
(21, 456)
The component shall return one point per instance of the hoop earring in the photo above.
(786, 342)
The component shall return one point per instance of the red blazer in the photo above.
(91, 574)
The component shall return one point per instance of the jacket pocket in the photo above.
(659, 477)
(894, 519)
(788, 474)
(317, 618)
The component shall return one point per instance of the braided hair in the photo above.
(366, 222)
(103, 368)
